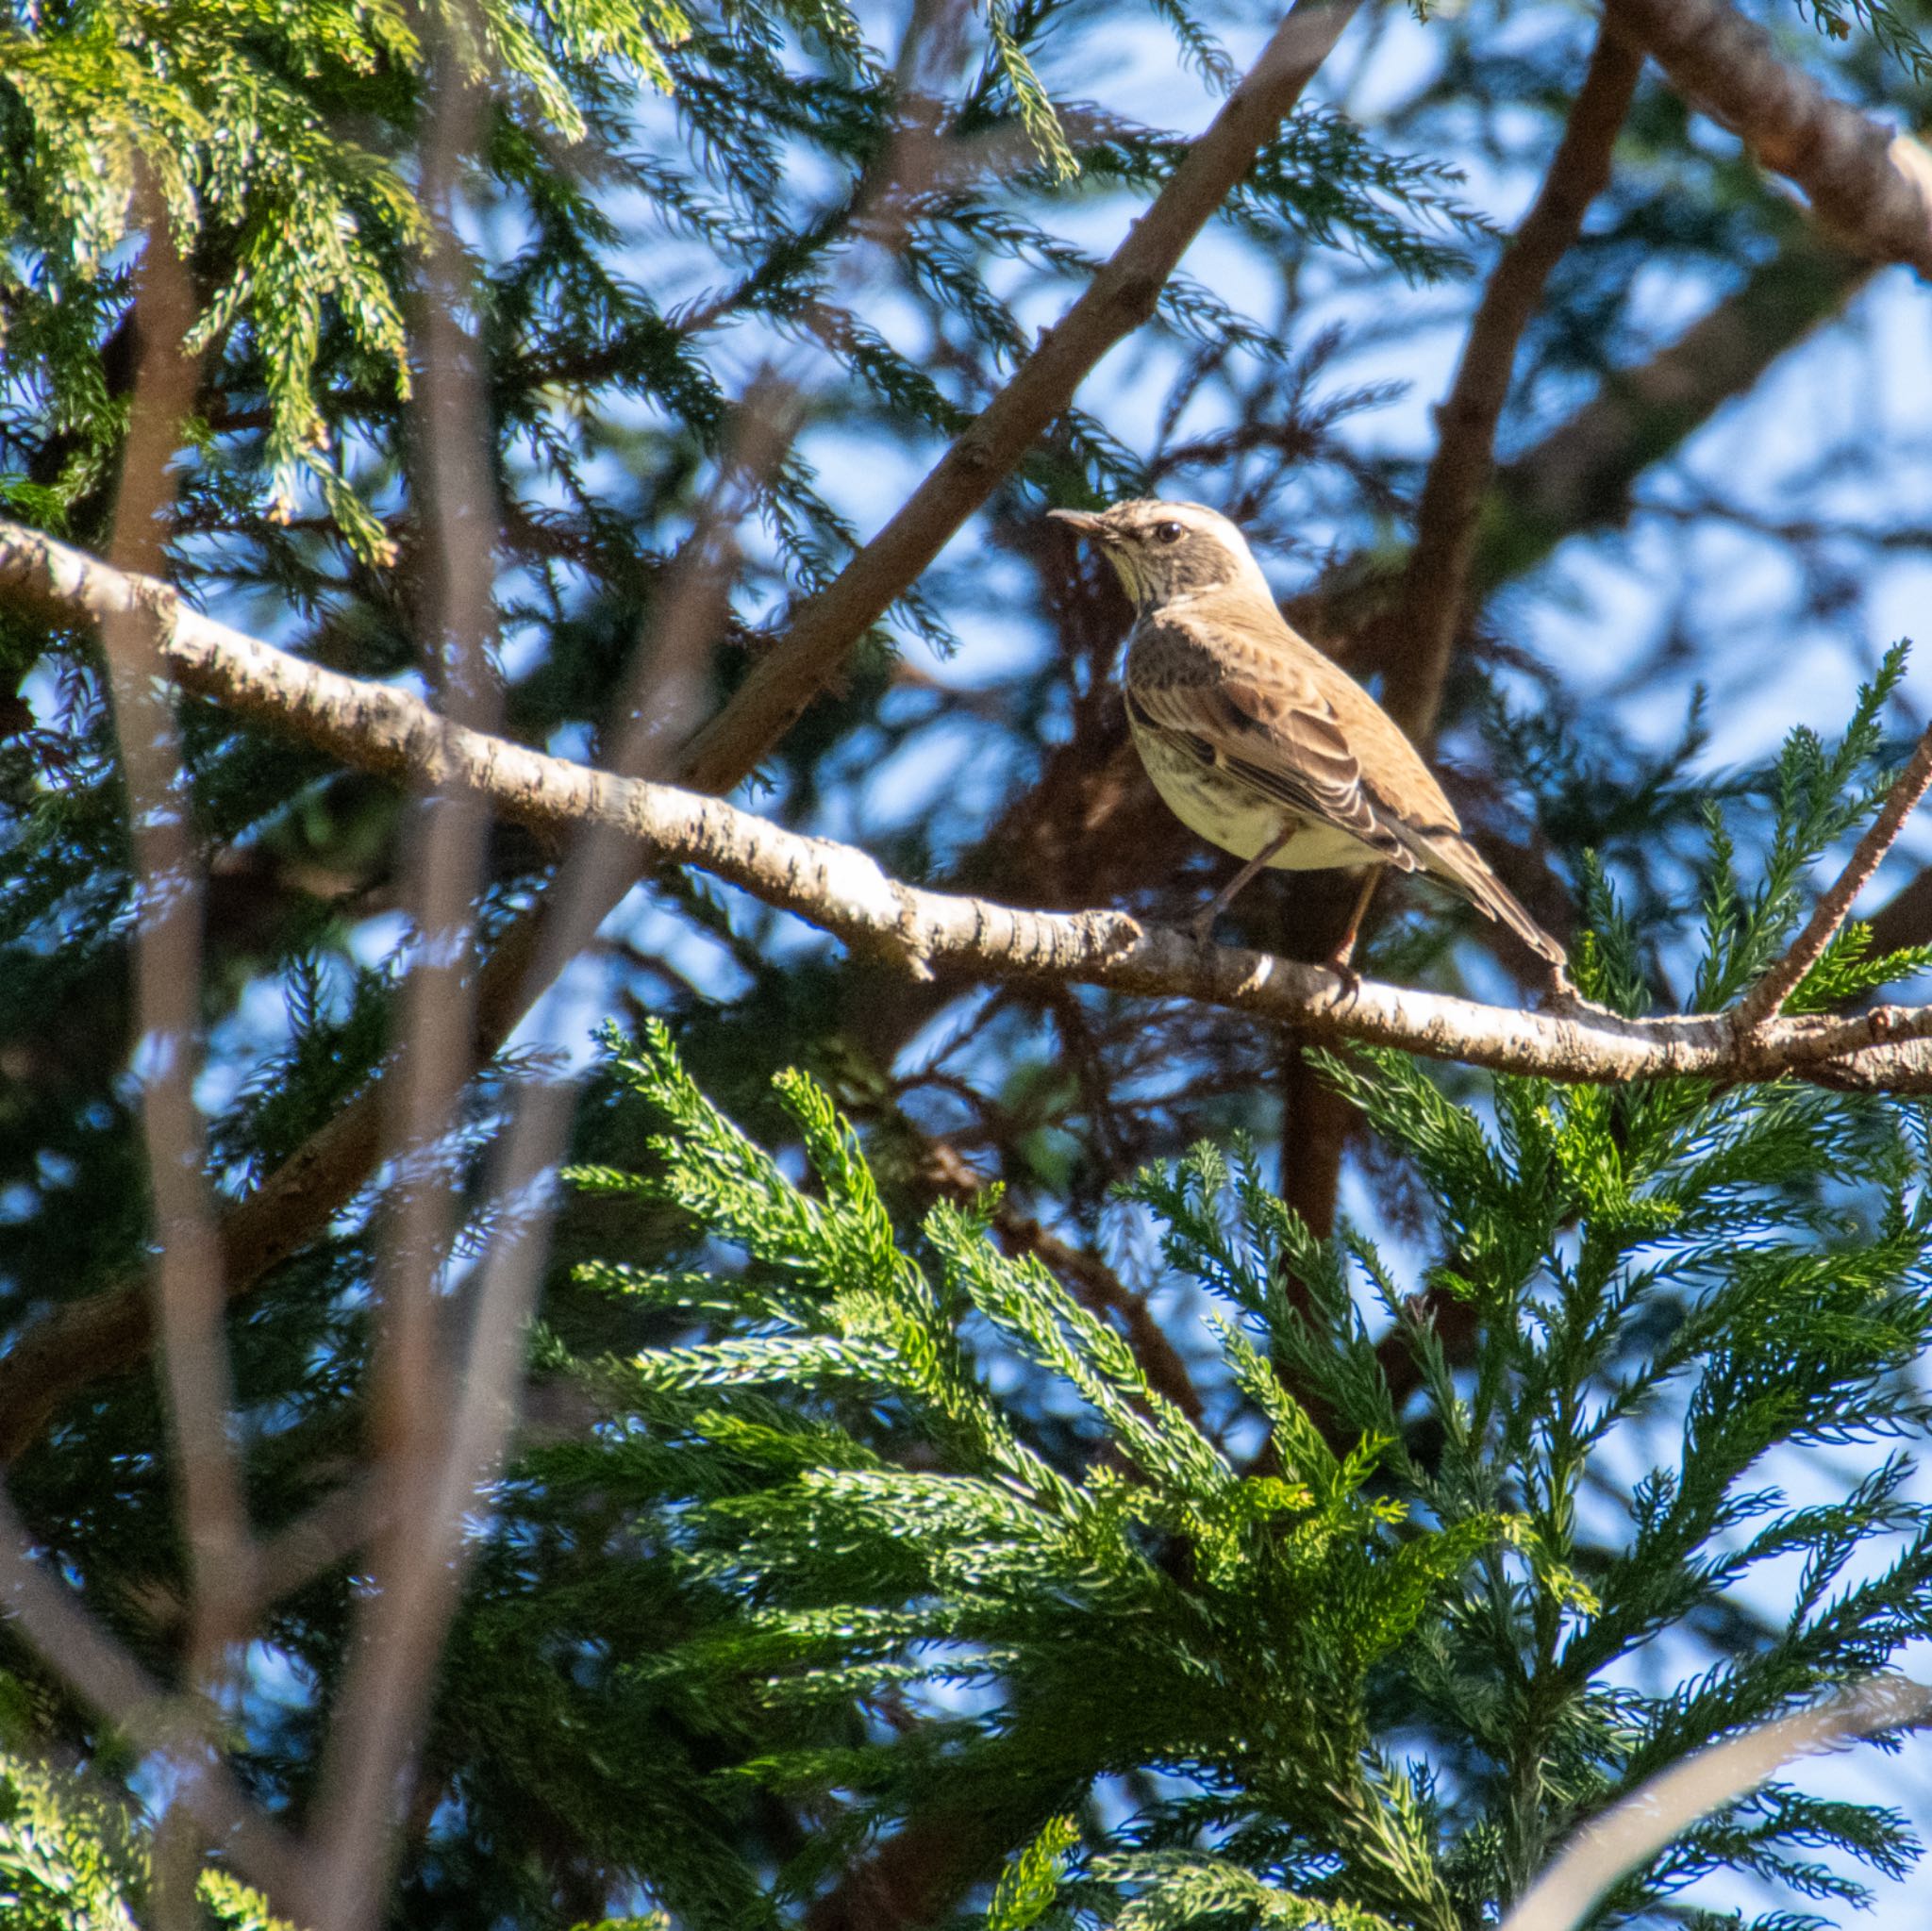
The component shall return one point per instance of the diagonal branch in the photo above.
(1422, 629)
(1766, 999)
(1435, 585)
(183, 1730)
(1871, 188)
(1906, 918)
(1580, 474)
(1119, 299)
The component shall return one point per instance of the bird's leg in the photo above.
(1345, 949)
(1204, 920)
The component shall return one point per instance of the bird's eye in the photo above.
(1167, 532)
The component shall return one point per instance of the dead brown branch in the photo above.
(416, 1395)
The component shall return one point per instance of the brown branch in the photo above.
(1870, 188)
(1118, 299)
(1580, 474)
(185, 1285)
(1419, 632)
(88, 1658)
(1766, 999)
(1906, 918)
(416, 1393)
(1436, 584)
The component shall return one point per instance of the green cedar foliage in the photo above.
(839, 1520)
(1370, 1664)
(74, 1860)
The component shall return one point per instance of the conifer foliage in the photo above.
(822, 1446)
(1371, 1669)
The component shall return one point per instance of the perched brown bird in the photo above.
(1256, 740)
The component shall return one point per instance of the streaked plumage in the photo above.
(1249, 733)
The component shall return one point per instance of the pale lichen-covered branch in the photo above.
(844, 892)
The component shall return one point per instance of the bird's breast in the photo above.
(1227, 812)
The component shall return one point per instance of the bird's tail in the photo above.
(1452, 859)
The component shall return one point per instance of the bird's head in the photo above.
(1166, 550)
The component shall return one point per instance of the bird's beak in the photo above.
(1082, 521)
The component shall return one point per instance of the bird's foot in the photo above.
(1202, 924)
(1351, 979)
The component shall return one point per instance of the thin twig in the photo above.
(1647, 1819)
(1766, 999)
(369, 1755)
(167, 943)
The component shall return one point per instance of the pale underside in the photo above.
(1235, 815)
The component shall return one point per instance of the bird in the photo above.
(1261, 744)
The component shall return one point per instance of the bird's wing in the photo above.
(1284, 742)
(1300, 738)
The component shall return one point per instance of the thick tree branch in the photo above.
(1116, 302)
(1871, 188)
(1766, 999)
(1435, 591)
(843, 891)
